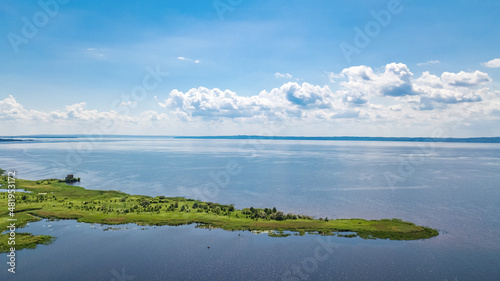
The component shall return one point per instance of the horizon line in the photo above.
(325, 138)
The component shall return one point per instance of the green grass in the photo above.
(24, 241)
(53, 199)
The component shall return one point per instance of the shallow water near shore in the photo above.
(452, 187)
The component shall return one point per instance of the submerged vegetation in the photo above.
(54, 199)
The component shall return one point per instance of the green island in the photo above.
(54, 199)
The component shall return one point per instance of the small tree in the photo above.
(262, 214)
(279, 216)
(145, 203)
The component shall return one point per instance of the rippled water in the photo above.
(452, 187)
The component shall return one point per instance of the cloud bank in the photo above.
(387, 100)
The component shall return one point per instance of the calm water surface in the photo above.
(452, 187)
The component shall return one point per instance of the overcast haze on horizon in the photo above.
(230, 67)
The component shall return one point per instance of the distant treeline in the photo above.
(340, 138)
(347, 138)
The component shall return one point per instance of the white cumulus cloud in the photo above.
(494, 63)
(291, 100)
(10, 109)
(281, 75)
(465, 79)
(362, 83)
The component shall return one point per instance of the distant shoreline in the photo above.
(9, 139)
(350, 138)
(257, 137)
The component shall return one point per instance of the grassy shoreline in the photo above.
(53, 199)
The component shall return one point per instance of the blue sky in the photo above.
(242, 67)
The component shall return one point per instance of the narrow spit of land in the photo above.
(53, 199)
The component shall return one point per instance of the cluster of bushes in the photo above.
(160, 203)
(215, 208)
(25, 198)
(49, 181)
(172, 207)
(46, 181)
(271, 214)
